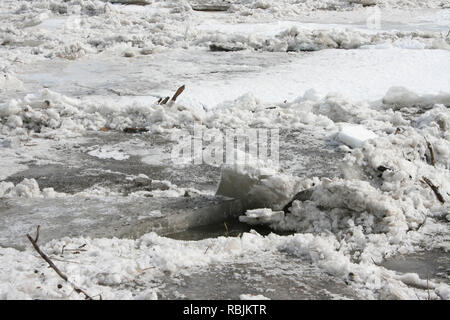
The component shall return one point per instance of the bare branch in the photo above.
(53, 266)
(435, 189)
(37, 234)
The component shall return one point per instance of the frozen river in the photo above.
(79, 80)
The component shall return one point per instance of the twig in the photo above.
(77, 250)
(37, 234)
(53, 266)
(67, 261)
(377, 264)
(435, 189)
(226, 228)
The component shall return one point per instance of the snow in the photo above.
(380, 96)
(253, 297)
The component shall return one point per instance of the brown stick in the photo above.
(435, 189)
(430, 148)
(179, 91)
(165, 100)
(37, 234)
(53, 266)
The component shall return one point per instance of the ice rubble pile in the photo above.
(381, 205)
(74, 28)
(104, 269)
(285, 8)
(28, 188)
(298, 39)
(51, 113)
(70, 30)
(346, 226)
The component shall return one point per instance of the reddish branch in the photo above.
(174, 97)
(179, 91)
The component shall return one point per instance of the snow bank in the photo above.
(101, 267)
(49, 111)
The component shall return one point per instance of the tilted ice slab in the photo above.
(354, 136)
(123, 217)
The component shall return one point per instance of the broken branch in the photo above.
(165, 100)
(52, 265)
(435, 189)
(177, 93)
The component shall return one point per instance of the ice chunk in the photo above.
(355, 135)
(261, 216)
(257, 186)
(253, 297)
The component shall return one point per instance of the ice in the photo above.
(261, 216)
(354, 136)
(363, 120)
(253, 297)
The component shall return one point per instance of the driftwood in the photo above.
(165, 100)
(435, 189)
(174, 97)
(179, 91)
(52, 265)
